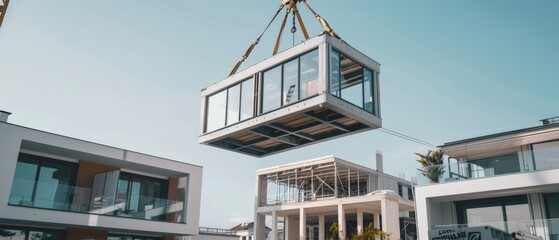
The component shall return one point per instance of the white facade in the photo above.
(506, 182)
(86, 200)
(311, 195)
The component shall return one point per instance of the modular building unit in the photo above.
(315, 91)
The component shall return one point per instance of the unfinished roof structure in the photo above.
(315, 91)
(315, 193)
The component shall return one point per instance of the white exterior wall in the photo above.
(431, 212)
(11, 137)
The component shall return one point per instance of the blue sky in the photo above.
(129, 74)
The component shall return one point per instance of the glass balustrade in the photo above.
(544, 229)
(539, 159)
(48, 195)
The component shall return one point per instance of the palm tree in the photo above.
(432, 164)
(370, 233)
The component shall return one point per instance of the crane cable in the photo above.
(292, 6)
(249, 50)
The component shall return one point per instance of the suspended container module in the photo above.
(318, 90)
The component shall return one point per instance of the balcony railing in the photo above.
(525, 161)
(542, 229)
(216, 231)
(54, 196)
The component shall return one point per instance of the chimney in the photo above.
(379, 161)
(4, 116)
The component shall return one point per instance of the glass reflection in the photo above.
(247, 99)
(290, 81)
(233, 104)
(309, 74)
(216, 111)
(271, 89)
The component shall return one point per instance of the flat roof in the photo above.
(501, 134)
(98, 144)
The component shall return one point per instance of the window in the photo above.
(43, 183)
(290, 82)
(216, 111)
(507, 213)
(138, 194)
(552, 213)
(247, 99)
(230, 106)
(271, 89)
(23, 233)
(494, 166)
(309, 74)
(546, 155)
(368, 89)
(125, 237)
(233, 104)
(352, 82)
(335, 70)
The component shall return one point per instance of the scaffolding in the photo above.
(319, 181)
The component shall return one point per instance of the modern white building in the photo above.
(311, 195)
(245, 231)
(58, 187)
(505, 185)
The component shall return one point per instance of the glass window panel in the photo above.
(546, 155)
(518, 216)
(552, 213)
(309, 74)
(53, 189)
(368, 90)
(494, 166)
(290, 82)
(233, 104)
(216, 111)
(247, 99)
(134, 196)
(23, 184)
(351, 81)
(271, 89)
(482, 216)
(335, 73)
(122, 193)
(13, 233)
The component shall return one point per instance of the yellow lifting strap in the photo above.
(3, 10)
(322, 22)
(303, 28)
(278, 40)
(291, 6)
(249, 50)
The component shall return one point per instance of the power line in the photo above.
(406, 137)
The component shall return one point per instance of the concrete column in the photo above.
(302, 224)
(274, 226)
(376, 220)
(341, 222)
(293, 229)
(359, 222)
(286, 229)
(259, 220)
(260, 227)
(390, 217)
(321, 227)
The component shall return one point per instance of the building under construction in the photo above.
(313, 194)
